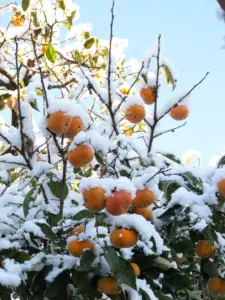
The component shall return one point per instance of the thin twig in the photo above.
(158, 172)
(47, 140)
(63, 185)
(187, 94)
(19, 100)
(63, 85)
(132, 85)
(156, 97)
(170, 130)
(41, 74)
(110, 54)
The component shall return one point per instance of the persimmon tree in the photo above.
(89, 208)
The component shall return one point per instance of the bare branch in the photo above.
(18, 99)
(63, 85)
(170, 130)
(41, 74)
(156, 97)
(132, 85)
(110, 54)
(187, 94)
(158, 172)
(8, 76)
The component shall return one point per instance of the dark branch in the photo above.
(170, 130)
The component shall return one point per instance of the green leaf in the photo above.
(34, 105)
(50, 53)
(89, 43)
(86, 261)
(170, 188)
(57, 187)
(35, 18)
(25, 4)
(209, 268)
(176, 280)
(79, 279)
(39, 92)
(4, 96)
(161, 296)
(47, 231)
(144, 295)
(21, 256)
(208, 235)
(120, 268)
(88, 172)
(220, 297)
(171, 157)
(86, 35)
(100, 219)
(221, 162)
(77, 56)
(22, 83)
(170, 80)
(113, 260)
(67, 25)
(53, 219)
(124, 173)
(71, 17)
(99, 158)
(83, 214)
(145, 77)
(193, 183)
(28, 198)
(61, 4)
(170, 212)
(57, 289)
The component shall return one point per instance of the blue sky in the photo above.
(193, 37)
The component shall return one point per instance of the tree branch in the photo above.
(156, 97)
(41, 74)
(136, 79)
(110, 54)
(63, 85)
(8, 76)
(187, 94)
(18, 99)
(169, 130)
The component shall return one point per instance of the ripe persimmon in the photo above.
(179, 112)
(18, 20)
(124, 238)
(94, 199)
(136, 269)
(38, 158)
(107, 286)
(135, 113)
(118, 203)
(221, 187)
(144, 212)
(205, 250)
(143, 198)
(77, 247)
(77, 230)
(81, 156)
(216, 286)
(11, 102)
(76, 126)
(148, 95)
(59, 123)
